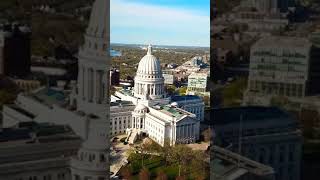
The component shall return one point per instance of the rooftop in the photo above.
(126, 92)
(249, 114)
(49, 96)
(23, 111)
(172, 111)
(185, 98)
(120, 103)
(283, 41)
(229, 165)
(24, 131)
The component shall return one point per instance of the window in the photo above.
(291, 156)
(76, 177)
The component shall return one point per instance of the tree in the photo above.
(132, 155)
(207, 135)
(180, 178)
(233, 93)
(126, 173)
(181, 155)
(144, 148)
(144, 174)
(161, 176)
(166, 150)
(206, 100)
(170, 89)
(182, 90)
(199, 167)
(279, 101)
(6, 97)
(154, 147)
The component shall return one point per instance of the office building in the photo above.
(267, 135)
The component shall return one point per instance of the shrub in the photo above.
(123, 139)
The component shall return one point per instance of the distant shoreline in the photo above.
(158, 46)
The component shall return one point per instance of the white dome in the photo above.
(140, 107)
(149, 64)
(174, 104)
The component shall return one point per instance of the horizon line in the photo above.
(159, 44)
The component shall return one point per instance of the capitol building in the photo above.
(147, 109)
(83, 106)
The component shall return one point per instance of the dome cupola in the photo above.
(149, 82)
(149, 65)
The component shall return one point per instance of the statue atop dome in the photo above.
(149, 50)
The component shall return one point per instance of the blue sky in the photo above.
(161, 22)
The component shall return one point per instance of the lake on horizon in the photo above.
(115, 53)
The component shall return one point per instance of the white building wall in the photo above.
(156, 129)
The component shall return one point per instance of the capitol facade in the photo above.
(150, 111)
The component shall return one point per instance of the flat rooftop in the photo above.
(126, 92)
(20, 110)
(228, 165)
(283, 41)
(24, 131)
(120, 103)
(49, 96)
(172, 111)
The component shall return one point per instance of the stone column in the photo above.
(98, 86)
(192, 131)
(81, 82)
(137, 87)
(85, 84)
(133, 121)
(91, 85)
(95, 85)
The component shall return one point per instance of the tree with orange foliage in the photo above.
(161, 176)
(180, 178)
(126, 174)
(144, 174)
